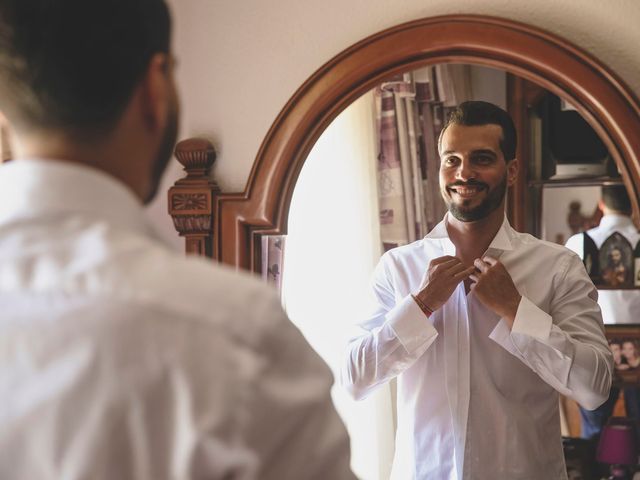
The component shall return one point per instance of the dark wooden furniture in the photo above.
(525, 199)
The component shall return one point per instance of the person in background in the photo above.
(617, 305)
(616, 350)
(120, 359)
(482, 326)
(630, 353)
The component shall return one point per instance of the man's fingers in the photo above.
(456, 268)
(490, 260)
(464, 273)
(474, 278)
(445, 266)
(440, 260)
(481, 265)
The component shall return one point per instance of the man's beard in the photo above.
(165, 152)
(492, 201)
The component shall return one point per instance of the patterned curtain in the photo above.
(411, 110)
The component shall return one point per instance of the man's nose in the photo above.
(465, 170)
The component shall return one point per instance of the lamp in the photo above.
(617, 446)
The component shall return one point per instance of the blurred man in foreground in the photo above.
(118, 358)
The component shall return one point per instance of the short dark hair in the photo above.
(74, 64)
(616, 198)
(477, 113)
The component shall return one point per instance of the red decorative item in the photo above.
(618, 446)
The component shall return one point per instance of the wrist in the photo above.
(510, 314)
(428, 311)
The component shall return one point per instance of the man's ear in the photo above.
(513, 167)
(155, 90)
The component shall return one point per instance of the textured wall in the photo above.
(240, 61)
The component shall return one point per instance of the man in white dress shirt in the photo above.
(482, 326)
(120, 359)
(618, 306)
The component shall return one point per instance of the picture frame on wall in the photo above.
(616, 262)
(624, 342)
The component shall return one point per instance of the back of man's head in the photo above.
(478, 113)
(616, 199)
(72, 65)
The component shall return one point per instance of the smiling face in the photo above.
(629, 351)
(473, 172)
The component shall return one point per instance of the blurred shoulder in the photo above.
(194, 287)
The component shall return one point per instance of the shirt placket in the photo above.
(457, 367)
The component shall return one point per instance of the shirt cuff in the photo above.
(412, 327)
(529, 322)
(532, 321)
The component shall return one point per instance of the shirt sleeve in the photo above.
(566, 346)
(291, 423)
(391, 339)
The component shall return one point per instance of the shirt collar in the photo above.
(613, 220)
(501, 242)
(32, 188)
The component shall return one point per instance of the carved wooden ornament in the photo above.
(191, 198)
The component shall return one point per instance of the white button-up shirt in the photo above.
(120, 359)
(618, 306)
(477, 400)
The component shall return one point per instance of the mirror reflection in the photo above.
(371, 184)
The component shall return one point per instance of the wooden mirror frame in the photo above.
(239, 219)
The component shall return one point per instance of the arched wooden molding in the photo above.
(191, 199)
(240, 219)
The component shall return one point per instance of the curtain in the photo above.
(332, 247)
(411, 110)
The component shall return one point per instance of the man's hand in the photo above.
(495, 289)
(441, 279)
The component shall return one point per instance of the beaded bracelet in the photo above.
(425, 309)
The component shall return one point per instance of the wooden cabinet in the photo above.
(537, 162)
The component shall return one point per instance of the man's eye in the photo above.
(484, 160)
